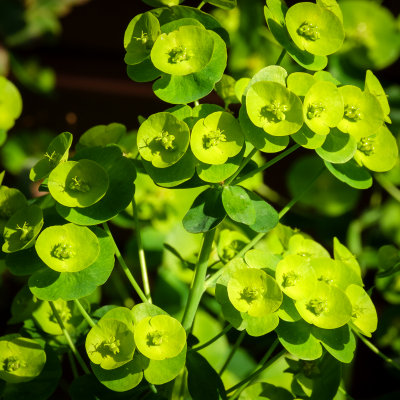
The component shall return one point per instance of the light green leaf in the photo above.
(102, 135)
(300, 83)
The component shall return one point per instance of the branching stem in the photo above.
(84, 313)
(244, 163)
(214, 339)
(232, 352)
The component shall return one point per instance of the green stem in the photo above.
(73, 365)
(211, 281)
(214, 339)
(263, 364)
(200, 6)
(125, 268)
(197, 286)
(68, 339)
(244, 163)
(153, 388)
(377, 351)
(232, 352)
(280, 58)
(388, 186)
(268, 164)
(342, 390)
(142, 258)
(84, 313)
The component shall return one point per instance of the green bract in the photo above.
(373, 86)
(78, 183)
(314, 28)
(110, 343)
(163, 139)
(274, 108)
(184, 51)
(11, 200)
(159, 337)
(102, 135)
(22, 228)
(362, 112)
(21, 359)
(140, 36)
(325, 306)
(216, 138)
(323, 107)
(364, 314)
(68, 248)
(56, 152)
(251, 290)
(377, 151)
(10, 104)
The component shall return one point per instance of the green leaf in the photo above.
(47, 284)
(300, 83)
(123, 378)
(272, 73)
(11, 104)
(102, 135)
(305, 247)
(326, 383)
(307, 138)
(230, 243)
(373, 86)
(274, 108)
(139, 38)
(340, 342)
(25, 262)
(203, 381)
(144, 310)
(314, 28)
(225, 89)
(343, 254)
(205, 213)
(225, 4)
(11, 200)
(261, 325)
(56, 152)
(159, 372)
(21, 229)
(238, 205)
(78, 183)
(216, 138)
(297, 339)
(185, 89)
(260, 139)
(351, 173)
(121, 173)
(266, 216)
(143, 72)
(338, 147)
(67, 248)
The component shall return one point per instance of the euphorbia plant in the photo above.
(263, 277)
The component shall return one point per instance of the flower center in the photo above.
(357, 311)
(78, 185)
(109, 346)
(352, 113)
(26, 232)
(309, 31)
(177, 55)
(11, 364)
(289, 279)
(213, 138)
(366, 145)
(62, 251)
(249, 294)
(154, 338)
(315, 110)
(52, 158)
(317, 306)
(276, 109)
(166, 140)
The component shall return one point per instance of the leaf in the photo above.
(203, 380)
(47, 284)
(326, 383)
(238, 205)
(297, 339)
(205, 213)
(272, 73)
(102, 135)
(24, 262)
(143, 72)
(351, 173)
(225, 4)
(266, 216)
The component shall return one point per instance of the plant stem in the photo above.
(377, 351)
(69, 340)
(125, 268)
(197, 286)
(200, 6)
(73, 365)
(268, 164)
(244, 163)
(388, 186)
(262, 365)
(84, 313)
(232, 352)
(142, 258)
(210, 281)
(214, 339)
(280, 58)
(342, 390)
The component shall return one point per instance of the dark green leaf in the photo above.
(238, 205)
(351, 173)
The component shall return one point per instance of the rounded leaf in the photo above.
(68, 248)
(274, 108)
(184, 51)
(160, 337)
(314, 28)
(10, 103)
(163, 139)
(216, 138)
(78, 183)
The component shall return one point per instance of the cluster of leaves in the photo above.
(288, 284)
